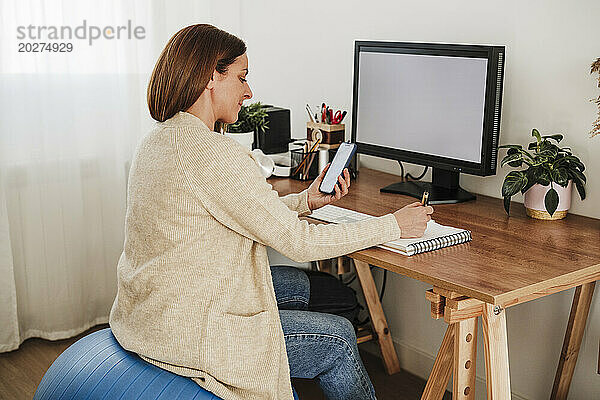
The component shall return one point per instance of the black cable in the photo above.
(383, 285)
(401, 170)
(350, 281)
(408, 175)
(380, 296)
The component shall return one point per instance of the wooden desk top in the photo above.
(509, 258)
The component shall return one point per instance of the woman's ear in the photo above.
(211, 84)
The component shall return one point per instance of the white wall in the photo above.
(302, 52)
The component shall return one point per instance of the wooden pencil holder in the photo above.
(328, 133)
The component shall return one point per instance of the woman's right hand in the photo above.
(412, 219)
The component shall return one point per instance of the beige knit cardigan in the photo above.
(195, 295)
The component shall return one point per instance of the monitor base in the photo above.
(437, 194)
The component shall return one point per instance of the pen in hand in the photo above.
(425, 199)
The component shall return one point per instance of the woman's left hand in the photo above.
(316, 199)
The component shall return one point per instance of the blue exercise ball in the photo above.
(97, 367)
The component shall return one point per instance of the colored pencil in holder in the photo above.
(304, 159)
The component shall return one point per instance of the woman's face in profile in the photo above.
(230, 90)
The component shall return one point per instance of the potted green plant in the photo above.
(251, 119)
(547, 180)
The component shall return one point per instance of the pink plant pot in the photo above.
(534, 201)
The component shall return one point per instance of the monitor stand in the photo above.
(443, 190)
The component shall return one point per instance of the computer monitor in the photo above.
(436, 105)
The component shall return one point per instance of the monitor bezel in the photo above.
(488, 149)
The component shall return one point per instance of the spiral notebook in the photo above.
(436, 235)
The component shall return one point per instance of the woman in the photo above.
(195, 294)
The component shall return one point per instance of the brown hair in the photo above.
(186, 65)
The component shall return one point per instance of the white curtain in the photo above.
(69, 124)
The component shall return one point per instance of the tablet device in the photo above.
(342, 159)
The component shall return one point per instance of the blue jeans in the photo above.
(319, 346)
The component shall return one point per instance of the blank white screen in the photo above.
(425, 104)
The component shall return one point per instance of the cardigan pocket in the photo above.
(248, 346)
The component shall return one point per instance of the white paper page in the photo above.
(339, 215)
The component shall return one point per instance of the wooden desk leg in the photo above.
(390, 358)
(496, 352)
(324, 266)
(572, 342)
(442, 368)
(465, 355)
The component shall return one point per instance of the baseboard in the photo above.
(419, 363)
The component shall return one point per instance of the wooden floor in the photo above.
(21, 371)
